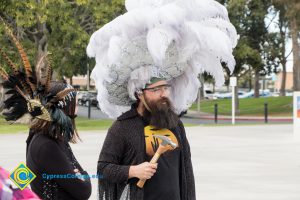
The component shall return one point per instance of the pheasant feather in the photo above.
(25, 60)
(16, 72)
(60, 96)
(10, 63)
(49, 76)
(3, 74)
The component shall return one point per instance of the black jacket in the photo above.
(46, 156)
(124, 145)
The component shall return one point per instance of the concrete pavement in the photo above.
(230, 162)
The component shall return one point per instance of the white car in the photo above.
(262, 93)
(228, 95)
(208, 94)
(247, 95)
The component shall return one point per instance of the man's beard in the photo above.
(162, 114)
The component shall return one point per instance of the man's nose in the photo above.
(164, 93)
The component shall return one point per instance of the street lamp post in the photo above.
(233, 84)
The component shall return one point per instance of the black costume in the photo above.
(50, 109)
(124, 146)
(47, 156)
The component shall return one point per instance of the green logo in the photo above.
(22, 176)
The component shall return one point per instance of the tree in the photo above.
(257, 35)
(281, 38)
(291, 13)
(61, 27)
(248, 19)
(257, 51)
(236, 11)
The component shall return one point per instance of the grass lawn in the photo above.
(82, 124)
(277, 106)
(6, 127)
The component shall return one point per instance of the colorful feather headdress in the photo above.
(178, 38)
(28, 90)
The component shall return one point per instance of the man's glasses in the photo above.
(159, 89)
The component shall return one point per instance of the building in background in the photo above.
(81, 82)
(288, 84)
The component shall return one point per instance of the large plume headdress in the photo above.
(177, 39)
(28, 92)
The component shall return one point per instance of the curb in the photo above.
(270, 119)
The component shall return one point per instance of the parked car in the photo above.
(262, 93)
(247, 95)
(275, 94)
(80, 95)
(84, 97)
(208, 94)
(228, 95)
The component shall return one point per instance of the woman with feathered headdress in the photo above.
(51, 109)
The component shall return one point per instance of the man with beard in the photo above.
(150, 57)
(130, 145)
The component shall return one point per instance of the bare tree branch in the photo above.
(289, 54)
(273, 18)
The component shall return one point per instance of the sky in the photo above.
(274, 28)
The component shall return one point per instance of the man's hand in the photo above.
(142, 171)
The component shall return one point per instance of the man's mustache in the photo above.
(162, 114)
(164, 100)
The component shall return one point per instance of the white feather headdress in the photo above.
(181, 38)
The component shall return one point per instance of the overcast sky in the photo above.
(274, 28)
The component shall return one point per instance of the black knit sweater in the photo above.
(46, 156)
(124, 145)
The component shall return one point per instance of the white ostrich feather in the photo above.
(181, 38)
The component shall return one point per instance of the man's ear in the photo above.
(139, 93)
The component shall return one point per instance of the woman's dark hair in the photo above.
(69, 107)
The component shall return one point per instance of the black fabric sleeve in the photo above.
(110, 159)
(54, 161)
(188, 165)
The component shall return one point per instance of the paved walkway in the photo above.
(230, 163)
